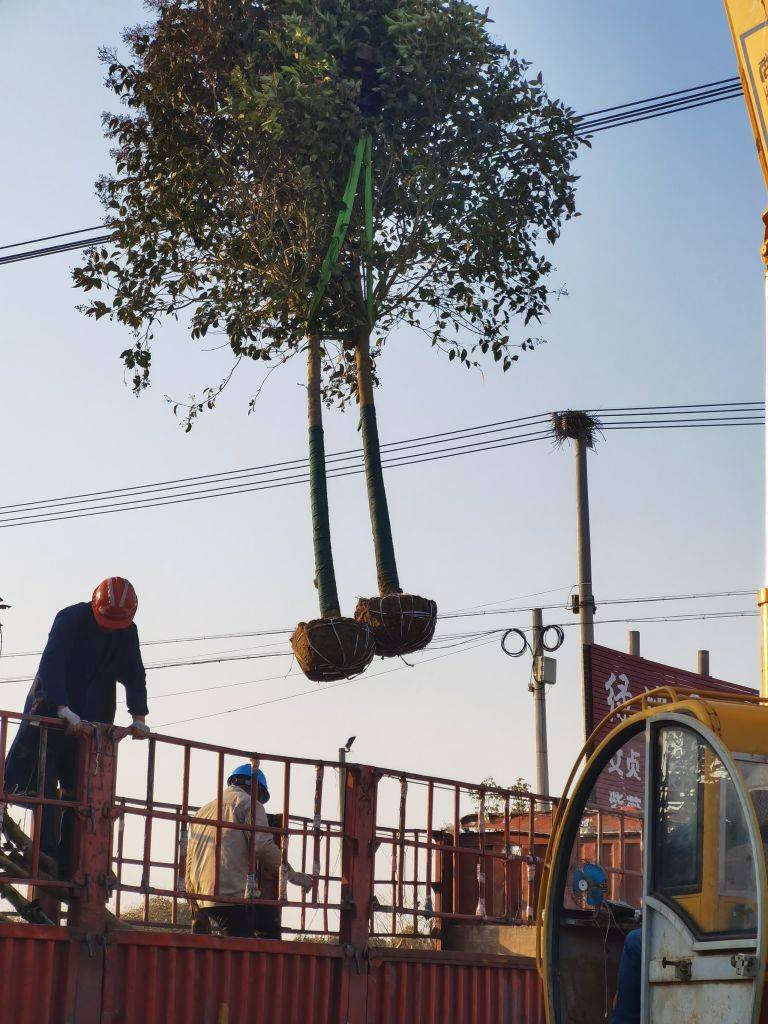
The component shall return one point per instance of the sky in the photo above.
(663, 305)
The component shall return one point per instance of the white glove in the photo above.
(299, 878)
(139, 729)
(71, 720)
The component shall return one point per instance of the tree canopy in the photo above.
(230, 158)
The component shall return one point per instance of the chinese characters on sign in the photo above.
(617, 690)
(615, 678)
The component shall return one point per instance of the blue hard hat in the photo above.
(245, 771)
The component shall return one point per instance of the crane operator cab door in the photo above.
(704, 891)
(675, 856)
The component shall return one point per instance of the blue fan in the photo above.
(589, 885)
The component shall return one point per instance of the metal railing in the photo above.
(150, 860)
(415, 857)
(27, 804)
(473, 858)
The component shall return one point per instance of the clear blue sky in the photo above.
(664, 304)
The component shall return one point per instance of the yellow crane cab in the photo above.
(698, 890)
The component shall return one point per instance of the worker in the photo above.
(627, 1008)
(233, 919)
(91, 647)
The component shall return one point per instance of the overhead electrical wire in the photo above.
(720, 83)
(51, 250)
(589, 124)
(322, 689)
(480, 613)
(489, 639)
(659, 106)
(408, 452)
(441, 640)
(48, 238)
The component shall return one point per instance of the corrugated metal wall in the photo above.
(414, 988)
(158, 977)
(162, 978)
(33, 974)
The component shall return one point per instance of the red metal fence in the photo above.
(411, 856)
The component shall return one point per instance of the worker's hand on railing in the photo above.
(139, 728)
(73, 723)
(299, 878)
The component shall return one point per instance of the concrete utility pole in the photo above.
(582, 429)
(539, 704)
(586, 605)
(343, 751)
(342, 780)
(702, 663)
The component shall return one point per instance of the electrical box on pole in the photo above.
(545, 670)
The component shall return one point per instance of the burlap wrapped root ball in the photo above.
(330, 649)
(400, 623)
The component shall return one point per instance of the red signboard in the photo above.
(612, 678)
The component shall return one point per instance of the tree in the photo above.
(242, 119)
(159, 911)
(495, 800)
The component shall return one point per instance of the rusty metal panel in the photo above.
(423, 989)
(167, 978)
(33, 974)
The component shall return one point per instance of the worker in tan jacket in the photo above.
(236, 919)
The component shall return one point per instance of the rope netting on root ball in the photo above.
(331, 649)
(400, 623)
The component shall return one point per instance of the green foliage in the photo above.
(494, 801)
(160, 911)
(230, 159)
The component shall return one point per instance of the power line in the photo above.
(591, 123)
(659, 106)
(50, 250)
(345, 455)
(323, 689)
(651, 113)
(273, 484)
(48, 238)
(725, 82)
(601, 604)
(490, 639)
(408, 452)
(682, 617)
(440, 639)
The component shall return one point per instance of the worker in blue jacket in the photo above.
(91, 647)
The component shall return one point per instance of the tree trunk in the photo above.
(325, 577)
(386, 567)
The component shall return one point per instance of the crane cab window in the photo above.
(703, 862)
(678, 809)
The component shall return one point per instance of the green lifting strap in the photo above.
(340, 230)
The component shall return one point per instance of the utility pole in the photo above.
(539, 704)
(582, 429)
(343, 751)
(544, 640)
(342, 780)
(586, 605)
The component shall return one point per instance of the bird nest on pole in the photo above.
(331, 649)
(400, 623)
(574, 425)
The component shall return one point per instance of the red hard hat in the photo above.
(114, 603)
